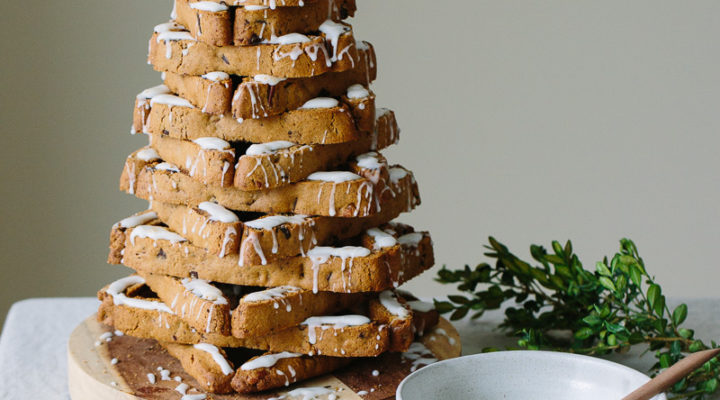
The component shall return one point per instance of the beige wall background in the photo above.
(527, 120)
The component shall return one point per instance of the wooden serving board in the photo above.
(93, 375)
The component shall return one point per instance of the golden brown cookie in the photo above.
(336, 193)
(173, 49)
(262, 96)
(223, 25)
(208, 364)
(274, 370)
(377, 267)
(268, 165)
(339, 336)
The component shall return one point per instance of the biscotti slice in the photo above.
(145, 316)
(213, 367)
(262, 96)
(117, 234)
(331, 193)
(261, 238)
(199, 303)
(268, 165)
(206, 305)
(218, 24)
(320, 121)
(207, 363)
(271, 4)
(374, 266)
(141, 111)
(212, 92)
(209, 160)
(173, 49)
(274, 370)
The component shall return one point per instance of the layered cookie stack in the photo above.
(268, 255)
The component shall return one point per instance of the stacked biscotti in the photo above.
(268, 254)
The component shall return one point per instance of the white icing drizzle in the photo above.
(209, 6)
(419, 355)
(170, 32)
(421, 306)
(147, 154)
(411, 239)
(272, 221)
(216, 76)
(397, 173)
(268, 148)
(170, 100)
(117, 291)
(149, 93)
(443, 332)
(357, 91)
(182, 388)
(216, 212)
(267, 79)
(135, 220)
(389, 300)
(332, 31)
(166, 166)
(369, 161)
(204, 290)
(215, 353)
(169, 26)
(381, 238)
(333, 176)
(320, 102)
(151, 378)
(308, 393)
(321, 254)
(255, 8)
(332, 322)
(269, 294)
(267, 361)
(290, 38)
(155, 233)
(199, 396)
(212, 143)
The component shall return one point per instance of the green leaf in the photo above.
(711, 385)
(679, 314)
(686, 333)
(459, 299)
(602, 269)
(636, 275)
(583, 333)
(443, 306)
(607, 283)
(664, 360)
(636, 337)
(653, 295)
(459, 313)
(659, 307)
(592, 320)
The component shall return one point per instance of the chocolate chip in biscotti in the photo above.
(161, 254)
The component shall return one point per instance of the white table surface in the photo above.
(33, 342)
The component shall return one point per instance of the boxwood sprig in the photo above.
(557, 304)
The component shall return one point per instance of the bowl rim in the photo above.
(525, 353)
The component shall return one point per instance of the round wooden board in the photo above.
(92, 375)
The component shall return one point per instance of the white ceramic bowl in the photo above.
(522, 375)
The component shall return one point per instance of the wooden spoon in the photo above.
(671, 375)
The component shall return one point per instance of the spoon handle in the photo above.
(671, 375)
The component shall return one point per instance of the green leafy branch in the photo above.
(560, 305)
